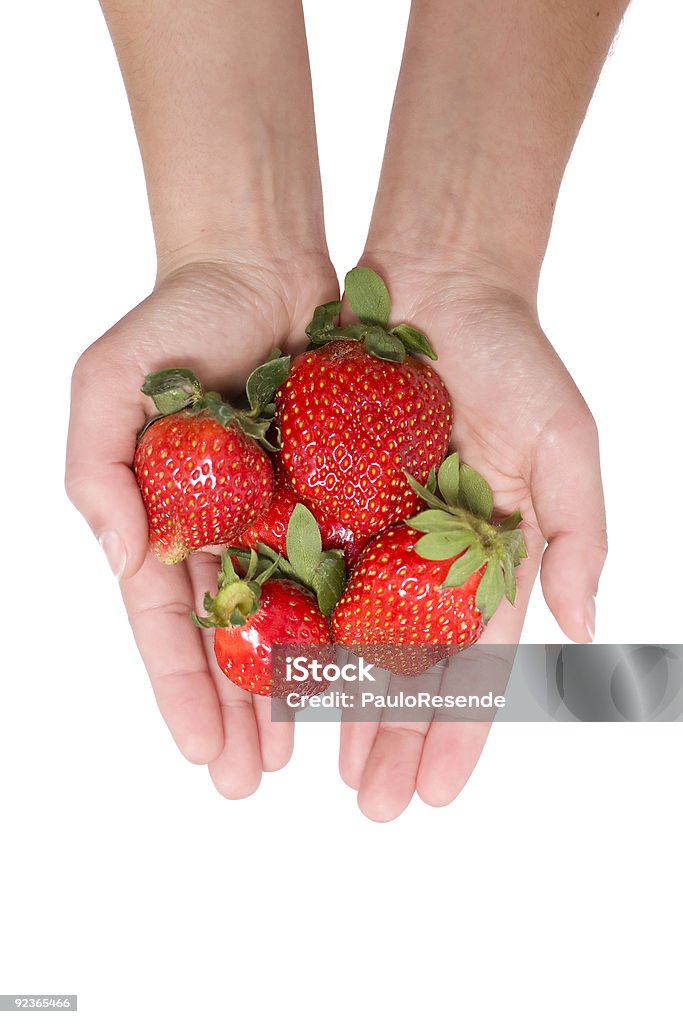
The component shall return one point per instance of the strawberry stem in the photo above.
(238, 596)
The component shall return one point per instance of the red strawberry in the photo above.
(203, 474)
(251, 615)
(359, 412)
(424, 589)
(271, 528)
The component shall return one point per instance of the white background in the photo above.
(551, 889)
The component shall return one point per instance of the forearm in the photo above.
(221, 99)
(490, 99)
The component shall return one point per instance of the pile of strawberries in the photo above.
(330, 487)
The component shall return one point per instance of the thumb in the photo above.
(99, 479)
(566, 490)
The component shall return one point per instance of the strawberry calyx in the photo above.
(458, 524)
(237, 597)
(367, 295)
(323, 573)
(176, 390)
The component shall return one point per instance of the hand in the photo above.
(221, 319)
(521, 422)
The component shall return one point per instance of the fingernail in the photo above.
(590, 617)
(112, 545)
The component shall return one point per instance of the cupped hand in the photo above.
(221, 319)
(521, 422)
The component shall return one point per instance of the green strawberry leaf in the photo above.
(431, 481)
(303, 543)
(172, 390)
(509, 577)
(352, 332)
(254, 428)
(511, 522)
(329, 580)
(435, 519)
(266, 551)
(513, 541)
(381, 344)
(227, 573)
(202, 621)
(474, 493)
(463, 567)
(437, 546)
(263, 562)
(367, 295)
(490, 590)
(223, 412)
(324, 318)
(266, 571)
(427, 496)
(265, 380)
(449, 479)
(268, 556)
(253, 562)
(414, 340)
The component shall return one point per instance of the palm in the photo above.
(221, 322)
(506, 382)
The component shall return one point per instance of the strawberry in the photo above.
(286, 614)
(201, 465)
(252, 613)
(359, 410)
(271, 528)
(277, 611)
(427, 587)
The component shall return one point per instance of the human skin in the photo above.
(489, 102)
(220, 96)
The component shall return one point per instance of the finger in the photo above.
(355, 744)
(388, 782)
(566, 489)
(357, 736)
(236, 772)
(236, 769)
(159, 600)
(101, 443)
(276, 738)
(450, 754)
(452, 748)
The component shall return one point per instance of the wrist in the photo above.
(258, 236)
(458, 216)
(465, 271)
